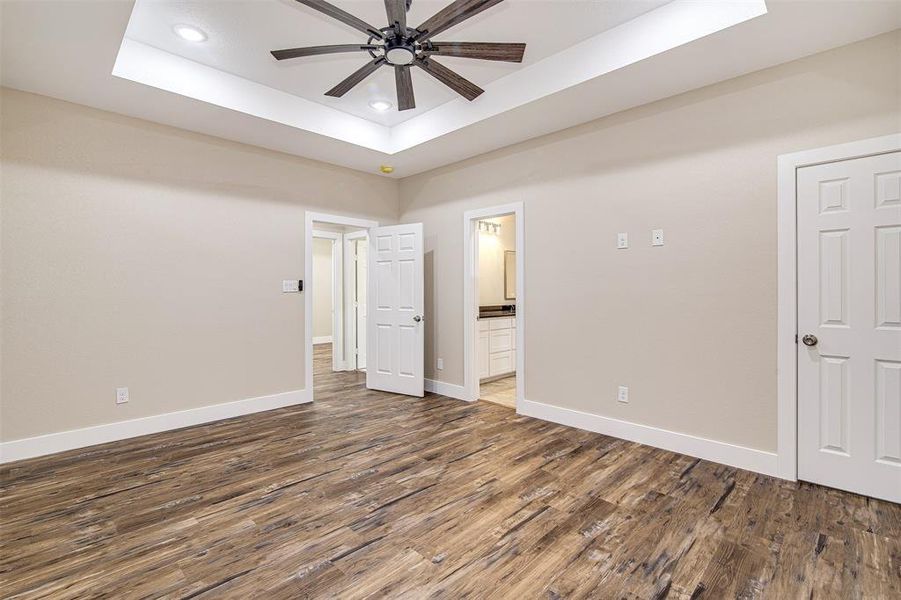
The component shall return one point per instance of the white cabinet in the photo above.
(484, 358)
(497, 347)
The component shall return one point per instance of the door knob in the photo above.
(417, 318)
(810, 340)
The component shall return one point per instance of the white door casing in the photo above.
(362, 267)
(849, 298)
(356, 245)
(396, 332)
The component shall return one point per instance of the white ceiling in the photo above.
(621, 54)
(242, 32)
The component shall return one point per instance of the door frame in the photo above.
(787, 320)
(350, 286)
(471, 301)
(309, 218)
(337, 299)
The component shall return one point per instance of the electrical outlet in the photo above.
(622, 241)
(440, 363)
(657, 237)
(623, 394)
(121, 395)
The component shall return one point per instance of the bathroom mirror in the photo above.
(509, 275)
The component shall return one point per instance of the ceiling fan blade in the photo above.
(397, 14)
(459, 84)
(503, 51)
(404, 81)
(317, 50)
(455, 12)
(356, 77)
(345, 17)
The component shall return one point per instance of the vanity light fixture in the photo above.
(489, 227)
(189, 33)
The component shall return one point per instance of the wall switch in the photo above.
(292, 286)
(623, 394)
(121, 395)
(657, 237)
(440, 363)
(622, 240)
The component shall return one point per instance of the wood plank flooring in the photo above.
(365, 494)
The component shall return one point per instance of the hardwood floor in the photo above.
(365, 494)
(499, 391)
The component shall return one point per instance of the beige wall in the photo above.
(491, 261)
(139, 255)
(120, 236)
(322, 287)
(690, 327)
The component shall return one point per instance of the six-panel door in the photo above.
(849, 306)
(396, 337)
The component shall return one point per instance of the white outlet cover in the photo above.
(290, 286)
(121, 395)
(440, 363)
(622, 394)
(622, 241)
(657, 237)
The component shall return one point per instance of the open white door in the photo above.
(395, 337)
(849, 320)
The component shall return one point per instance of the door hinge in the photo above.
(796, 338)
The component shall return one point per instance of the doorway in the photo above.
(356, 259)
(379, 319)
(325, 290)
(494, 353)
(331, 346)
(846, 353)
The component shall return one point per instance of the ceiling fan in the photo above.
(399, 46)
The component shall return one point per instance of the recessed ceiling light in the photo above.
(189, 33)
(380, 105)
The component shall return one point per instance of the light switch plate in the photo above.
(622, 241)
(290, 286)
(440, 364)
(657, 237)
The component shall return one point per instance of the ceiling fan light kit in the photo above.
(400, 47)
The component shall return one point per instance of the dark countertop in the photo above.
(497, 312)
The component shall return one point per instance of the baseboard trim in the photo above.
(749, 459)
(446, 389)
(322, 339)
(100, 434)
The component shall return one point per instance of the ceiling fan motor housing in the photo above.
(399, 51)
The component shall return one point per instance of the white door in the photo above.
(396, 338)
(362, 265)
(849, 325)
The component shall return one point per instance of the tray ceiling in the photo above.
(585, 59)
(241, 34)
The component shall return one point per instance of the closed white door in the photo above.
(396, 337)
(849, 325)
